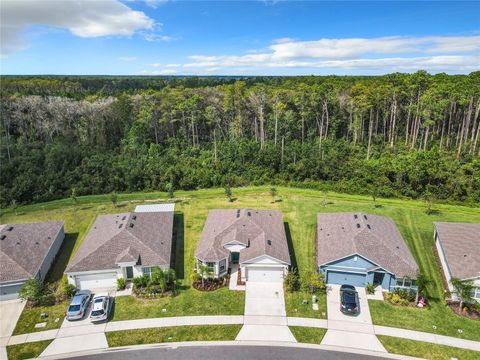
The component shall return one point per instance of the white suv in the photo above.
(100, 307)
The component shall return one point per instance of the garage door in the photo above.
(9, 292)
(97, 281)
(341, 278)
(265, 274)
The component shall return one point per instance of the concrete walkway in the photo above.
(10, 311)
(265, 317)
(232, 284)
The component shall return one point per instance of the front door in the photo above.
(235, 257)
(378, 278)
(129, 270)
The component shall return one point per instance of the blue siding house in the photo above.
(358, 249)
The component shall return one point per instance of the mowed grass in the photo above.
(294, 305)
(173, 334)
(299, 207)
(308, 335)
(29, 317)
(426, 350)
(27, 351)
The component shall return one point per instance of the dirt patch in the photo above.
(467, 312)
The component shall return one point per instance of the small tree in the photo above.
(314, 282)
(374, 195)
(14, 206)
(292, 281)
(325, 198)
(228, 193)
(73, 196)
(204, 271)
(170, 190)
(428, 197)
(422, 283)
(273, 193)
(114, 198)
(32, 290)
(464, 290)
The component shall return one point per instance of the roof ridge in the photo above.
(16, 263)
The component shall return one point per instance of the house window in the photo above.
(405, 283)
(147, 271)
(400, 282)
(476, 293)
(222, 266)
(210, 267)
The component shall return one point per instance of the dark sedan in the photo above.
(349, 303)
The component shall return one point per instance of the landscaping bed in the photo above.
(173, 334)
(210, 284)
(469, 312)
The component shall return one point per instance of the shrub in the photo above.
(314, 282)
(64, 291)
(121, 284)
(292, 281)
(370, 288)
(195, 277)
(32, 290)
(141, 281)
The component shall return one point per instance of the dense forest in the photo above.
(412, 135)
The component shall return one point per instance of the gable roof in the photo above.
(144, 238)
(374, 237)
(261, 231)
(461, 246)
(23, 248)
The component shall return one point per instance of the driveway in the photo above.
(265, 316)
(350, 331)
(10, 312)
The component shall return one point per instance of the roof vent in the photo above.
(358, 226)
(249, 213)
(120, 226)
(3, 237)
(134, 217)
(464, 255)
(355, 216)
(18, 242)
(238, 213)
(368, 226)
(269, 242)
(9, 228)
(365, 217)
(248, 243)
(124, 217)
(37, 243)
(131, 225)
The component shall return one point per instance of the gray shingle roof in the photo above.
(371, 236)
(253, 228)
(144, 238)
(461, 246)
(24, 248)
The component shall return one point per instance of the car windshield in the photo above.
(349, 297)
(98, 300)
(97, 312)
(73, 308)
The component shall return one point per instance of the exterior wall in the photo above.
(216, 267)
(443, 261)
(52, 253)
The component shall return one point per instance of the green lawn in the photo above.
(308, 335)
(29, 317)
(27, 350)
(294, 305)
(426, 350)
(188, 302)
(299, 207)
(173, 334)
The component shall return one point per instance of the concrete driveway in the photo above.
(265, 316)
(350, 331)
(10, 312)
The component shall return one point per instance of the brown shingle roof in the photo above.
(253, 228)
(374, 237)
(23, 250)
(142, 237)
(461, 246)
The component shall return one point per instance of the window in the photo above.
(210, 267)
(476, 293)
(405, 283)
(147, 271)
(400, 282)
(222, 266)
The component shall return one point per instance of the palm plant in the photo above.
(463, 290)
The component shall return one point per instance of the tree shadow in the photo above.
(278, 200)
(291, 250)
(61, 260)
(178, 245)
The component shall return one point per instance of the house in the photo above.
(123, 246)
(27, 252)
(358, 249)
(254, 240)
(458, 248)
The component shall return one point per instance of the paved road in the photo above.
(227, 353)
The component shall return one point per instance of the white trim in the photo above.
(358, 254)
(234, 242)
(264, 255)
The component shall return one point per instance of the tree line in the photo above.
(414, 135)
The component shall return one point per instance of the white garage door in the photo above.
(265, 274)
(97, 281)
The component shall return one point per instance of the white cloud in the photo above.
(155, 3)
(155, 64)
(127, 58)
(172, 65)
(157, 37)
(433, 53)
(82, 18)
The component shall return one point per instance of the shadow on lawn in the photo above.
(291, 250)
(178, 248)
(61, 260)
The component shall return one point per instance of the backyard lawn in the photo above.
(173, 334)
(308, 335)
(426, 350)
(299, 207)
(28, 350)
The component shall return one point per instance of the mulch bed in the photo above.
(208, 285)
(469, 313)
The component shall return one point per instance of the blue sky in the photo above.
(234, 37)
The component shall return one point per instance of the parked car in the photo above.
(79, 305)
(349, 303)
(100, 307)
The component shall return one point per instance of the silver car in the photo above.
(100, 307)
(79, 305)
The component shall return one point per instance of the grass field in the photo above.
(426, 350)
(308, 335)
(27, 350)
(299, 207)
(173, 334)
